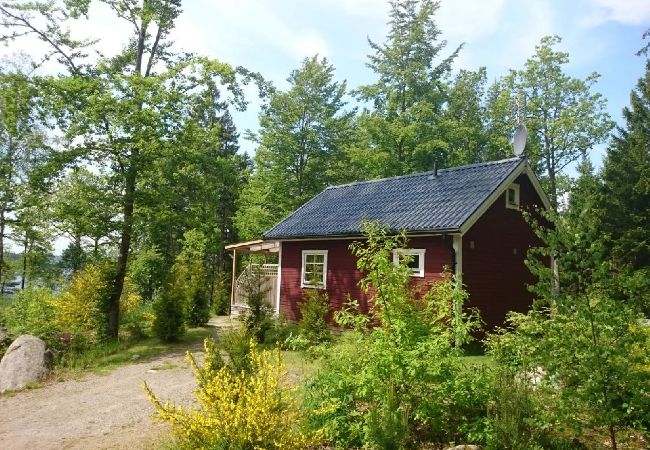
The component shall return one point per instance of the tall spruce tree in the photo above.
(625, 198)
(408, 97)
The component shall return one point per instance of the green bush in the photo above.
(313, 326)
(401, 383)
(237, 345)
(33, 312)
(258, 317)
(221, 295)
(279, 331)
(169, 309)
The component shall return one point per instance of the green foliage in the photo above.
(32, 312)
(564, 117)
(408, 385)
(409, 94)
(257, 317)
(625, 200)
(237, 345)
(301, 139)
(280, 330)
(147, 271)
(169, 308)
(313, 325)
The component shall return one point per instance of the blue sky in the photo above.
(274, 36)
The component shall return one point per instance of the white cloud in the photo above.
(470, 19)
(241, 28)
(627, 12)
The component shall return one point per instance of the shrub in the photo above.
(221, 294)
(237, 410)
(312, 326)
(32, 312)
(279, 330)
(169, 309)
(136, 315)
(78, 307)
(257, 318)
(401, 383)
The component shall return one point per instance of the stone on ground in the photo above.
(27, 360)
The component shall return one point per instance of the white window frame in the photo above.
(419, 272)
(515, 188)
(304, 283)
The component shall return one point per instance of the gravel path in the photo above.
(99, 411)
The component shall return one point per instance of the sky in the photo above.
(272, 37)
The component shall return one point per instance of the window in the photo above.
(415, 259)
(512, 196)
(314, 269)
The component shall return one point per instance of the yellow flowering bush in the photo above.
(77, 309)
(238, 410)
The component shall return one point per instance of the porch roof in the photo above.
(257, 246)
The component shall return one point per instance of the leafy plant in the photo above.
(32, 312)
(238, 410)
(78, 308)
(257, 318)
(169, 309)
(313, 326)
(409, 371)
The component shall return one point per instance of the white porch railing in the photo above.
(264, 277)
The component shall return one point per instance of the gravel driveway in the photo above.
(99, 411)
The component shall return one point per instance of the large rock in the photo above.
(27, 360)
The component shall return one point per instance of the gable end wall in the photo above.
(494, 271)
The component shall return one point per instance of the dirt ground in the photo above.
(98, 411)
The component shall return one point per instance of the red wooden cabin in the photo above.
(467, 218)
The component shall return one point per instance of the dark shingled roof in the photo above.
(417, 203)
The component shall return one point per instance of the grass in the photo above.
(109, 356)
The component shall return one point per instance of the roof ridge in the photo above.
(419, 174)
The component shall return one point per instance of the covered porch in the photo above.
(262, 277)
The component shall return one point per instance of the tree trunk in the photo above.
(24, 274)
(125, 245)
(2, 250)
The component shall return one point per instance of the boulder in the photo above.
(27, 360)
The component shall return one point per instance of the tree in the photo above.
(564, 117)
(126, 111)
(408, 98)
(83, 207)
(626, 183)
(301, 139)
(22, 150)
(464, 122)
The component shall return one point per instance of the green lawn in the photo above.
(106, 357)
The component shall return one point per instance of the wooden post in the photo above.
(234, 278)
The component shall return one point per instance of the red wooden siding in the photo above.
(494, 270)
(342, 274)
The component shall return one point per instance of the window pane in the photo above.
(319, 259)
(414, 262)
